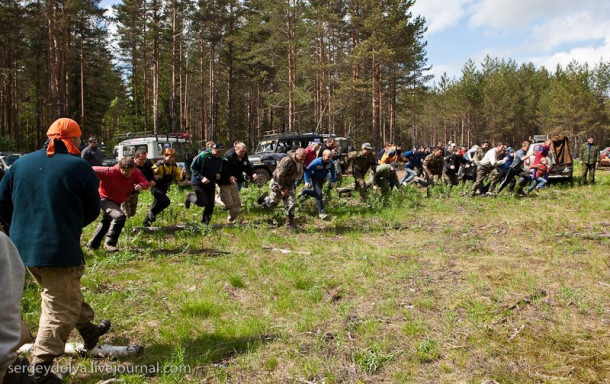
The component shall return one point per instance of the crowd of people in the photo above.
(49, 196)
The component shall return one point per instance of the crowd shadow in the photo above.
(206, 349)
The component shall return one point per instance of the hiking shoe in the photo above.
(230, 220)
(90, 245)
(44, 374)
(91, 333)
(261, 199)
(148, 220)
(322, 216)
(111, 248)
(289, 222)
(187, 201)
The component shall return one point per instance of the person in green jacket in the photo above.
(385, 177)
(589, 155)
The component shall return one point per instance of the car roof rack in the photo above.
(148, 134)
(288, 135)
(540, 138)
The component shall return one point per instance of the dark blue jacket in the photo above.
(47, 201)
(506, 166)
(415, 159)
(318, 169)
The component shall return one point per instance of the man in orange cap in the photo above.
(46, 198)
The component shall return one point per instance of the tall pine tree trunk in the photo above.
(202, 118)
(155, 79)
(212, 96)
(54, 64)
(82, 81)
(173, 101)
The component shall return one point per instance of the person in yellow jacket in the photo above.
(392, 155)
(166, 172)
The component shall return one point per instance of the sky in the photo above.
(543, 32)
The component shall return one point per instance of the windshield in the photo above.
(266, 146)
(129, 150)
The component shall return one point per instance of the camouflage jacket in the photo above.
(288, 171)
(478, 156)
(433, 164)
(589, 156)
(361, 163)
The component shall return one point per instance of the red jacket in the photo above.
(116, 187)
(309, 157)
(541, 170)
(543, 151)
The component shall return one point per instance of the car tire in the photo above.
(263, 177)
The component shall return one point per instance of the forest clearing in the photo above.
(408, 289)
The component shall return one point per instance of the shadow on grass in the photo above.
(169, 252)
(206, 349)
(185, 357)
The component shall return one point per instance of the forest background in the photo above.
(227, 69)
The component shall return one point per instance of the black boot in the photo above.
(190, 197)
(19, 372)
(91, 333)
(261, 198)
(150, 218)
(44, 375)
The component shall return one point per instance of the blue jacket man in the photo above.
(316, 175)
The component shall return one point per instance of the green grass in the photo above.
(403, 289)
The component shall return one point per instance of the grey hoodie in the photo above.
(12, 274)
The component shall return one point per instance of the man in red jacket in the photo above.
(116, 184)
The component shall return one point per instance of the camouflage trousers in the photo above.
(451, 179)
(590, 169)
(130, 205)
(275, 195)
(496, 176)
(482, 172)
(361, 185)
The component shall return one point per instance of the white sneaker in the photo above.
(322, 216)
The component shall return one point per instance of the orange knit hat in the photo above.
(63, 129)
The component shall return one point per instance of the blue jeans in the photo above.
(409, 175)
(316, 192)
(539, 182)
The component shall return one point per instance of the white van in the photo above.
(154, 145)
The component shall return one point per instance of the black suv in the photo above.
(272, 148)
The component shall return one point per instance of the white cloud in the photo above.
(544, 32)
(516, 15)
(590, 55)
(440, 14)
(583, 26)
